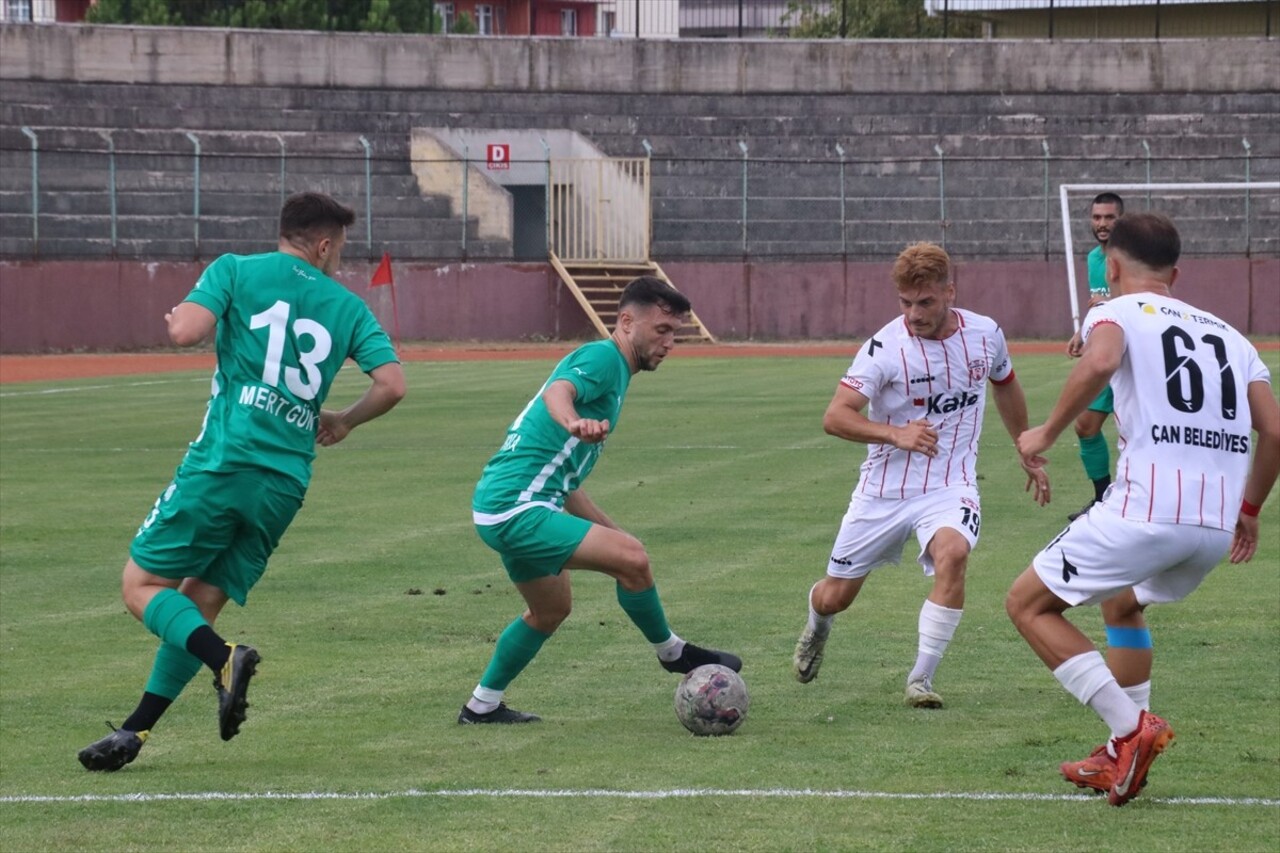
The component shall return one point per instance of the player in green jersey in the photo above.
(1105, 209)
(284, 328)
(529, 505)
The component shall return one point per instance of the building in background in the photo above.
(43, 11)
(1120, 19)
(653, 18)
(522, 17)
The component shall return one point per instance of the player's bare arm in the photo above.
(387, 390)
(189, 323)
(844, 418)
(559, 397)
(1011, 402)
(1091, 374)
(578, 503)
(1263, 471)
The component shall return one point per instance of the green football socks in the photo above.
(172, 671)
(1096, 457)
(645, 610)
(174, 618)
(517, 646)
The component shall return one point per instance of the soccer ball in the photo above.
(712, 700)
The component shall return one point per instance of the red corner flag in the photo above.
(382, 275)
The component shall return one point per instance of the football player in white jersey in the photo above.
(1190, 391)
(922, 382)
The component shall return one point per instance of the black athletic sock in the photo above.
(212, 650)
(1100, 487)
(147, 714)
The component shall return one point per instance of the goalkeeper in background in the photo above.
(1105, 209)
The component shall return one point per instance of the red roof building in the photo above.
(522, 17)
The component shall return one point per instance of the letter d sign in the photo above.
(499, 156)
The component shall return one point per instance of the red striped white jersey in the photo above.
(1182, 411)
(905, 378)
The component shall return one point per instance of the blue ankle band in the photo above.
(1128, 638)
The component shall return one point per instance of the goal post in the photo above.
(1064, 190)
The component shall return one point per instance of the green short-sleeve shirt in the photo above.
(1098, 273)
(540, 463)
(284, 330)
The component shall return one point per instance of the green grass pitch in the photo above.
(380, 610)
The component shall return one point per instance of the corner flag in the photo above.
(381, 276)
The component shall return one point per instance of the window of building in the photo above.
(446, 17)
(568, 22)
(484, 19)
(18, 10)
(608, 23)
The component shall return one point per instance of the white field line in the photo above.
(78, 388)
(606, 794)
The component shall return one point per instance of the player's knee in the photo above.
(547, 618)
(1017, 607)
(1022, 604)
(1087, 426)
(1124, 611)
(133, 590)
(835, 595)
(632, 567)
(950, 562)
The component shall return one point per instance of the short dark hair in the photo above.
(1108, 198)
(313, 216)
(1151, 239)
(651, 290)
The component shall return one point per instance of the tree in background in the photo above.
(870, 19)
(385, 16)
(464, 26)
(149, 12)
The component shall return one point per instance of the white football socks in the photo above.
(484, 699)
(819, 624)
(1140, 694)
(937, 626)
(669, 649)
(1087, 678)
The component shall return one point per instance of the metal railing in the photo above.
(196, 198)
(599, 209)
(863, 19)
(853, 19)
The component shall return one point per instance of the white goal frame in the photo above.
(1065, 189)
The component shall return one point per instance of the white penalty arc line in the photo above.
(604, 793)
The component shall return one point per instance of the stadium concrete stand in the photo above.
(960, 142)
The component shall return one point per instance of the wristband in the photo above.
(1247, 508)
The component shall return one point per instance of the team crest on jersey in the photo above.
(977, 370)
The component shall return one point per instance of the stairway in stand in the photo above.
(597, 286)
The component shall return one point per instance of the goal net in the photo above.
(1238, 218)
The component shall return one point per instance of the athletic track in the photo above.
(39, 368)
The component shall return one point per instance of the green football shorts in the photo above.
(536, 543)
(220, 528)
(1104, 403)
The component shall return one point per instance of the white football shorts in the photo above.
(874, 529)
(1101, 554)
